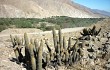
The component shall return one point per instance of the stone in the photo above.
(107, 65)
(108, 60)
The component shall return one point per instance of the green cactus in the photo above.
(66, 57)
(58, 49)
(26, 40)
(54, 39)
(32, 41)
(33, 60)
(92, 32)
(39, 65)
(16, 53)
(22, 41)
(13, 41)
(51, 55)
(64, 44)
(36, 45)
(19, 42)
(47, 59)
(60, 40)
(49, 49)
(59, 59)
(62, 54)
(69, 44)
(27, 57)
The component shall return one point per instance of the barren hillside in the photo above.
(43, 8)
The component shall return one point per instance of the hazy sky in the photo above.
(95, 4)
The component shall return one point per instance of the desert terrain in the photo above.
(96, 62)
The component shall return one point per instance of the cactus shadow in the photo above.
(14, 60)
(19, 63)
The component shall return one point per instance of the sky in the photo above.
(95, 4)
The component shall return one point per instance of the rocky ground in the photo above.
(99, 59)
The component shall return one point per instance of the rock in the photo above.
(23, 68)
(2, 45)
(108, 66)
(108, 60)
(92, 61)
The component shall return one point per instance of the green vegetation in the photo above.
(63, 22)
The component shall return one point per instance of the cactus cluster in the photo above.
(92, 32)
(33, 52)
(63, 54)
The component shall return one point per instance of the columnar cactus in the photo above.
(59, 59)
(27, 57)
(26, 40)
(39, 58)
(47, 59)
(36, 45)
(13, 41)
(32, 41)
(33, 60)
(18, 41)
(60, 40)
(69, 44)
(66, 57)
(49, 49)
(54, 38)
(64, 44)
(16, 53)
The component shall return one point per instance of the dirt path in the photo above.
(66, 30)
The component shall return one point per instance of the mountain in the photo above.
(44, 8)
(101, 12)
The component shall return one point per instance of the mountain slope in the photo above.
(43, 8)
(101, 12)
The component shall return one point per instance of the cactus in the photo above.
(26, 40)
(69, 44)
(39, 65)
(75, 56)
(49, 49)
(16, 54)
(47, 59)
(36, 45)
(59, 59)
(13, 41)
(51, 55)
(27, 57)
(64, 44)
(92, 32)
(58, 49)
(66, 57)
(18, 41)
(60, 40)
(32, 41)
(54, 39)
(33, 60)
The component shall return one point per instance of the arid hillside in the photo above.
(44, 8)
(93, 45)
